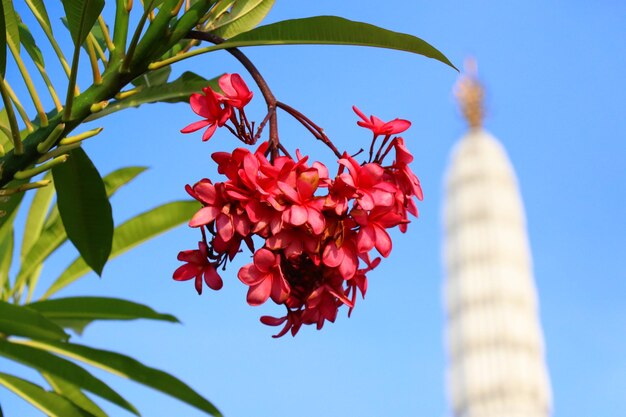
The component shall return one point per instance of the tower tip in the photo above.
(469, 93)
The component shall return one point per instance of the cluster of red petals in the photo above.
(318, 232)
(215, 108)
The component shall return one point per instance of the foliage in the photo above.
(130, 60)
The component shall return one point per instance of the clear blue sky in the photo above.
(556, 99)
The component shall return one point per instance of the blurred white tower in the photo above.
(495, 342)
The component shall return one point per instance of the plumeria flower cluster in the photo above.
(319, 234)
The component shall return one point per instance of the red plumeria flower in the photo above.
(236, 92)
(265, 278)
(208, 105)
(198, 266)
(379, 127)
(367, 179)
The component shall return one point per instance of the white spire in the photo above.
(495, 343)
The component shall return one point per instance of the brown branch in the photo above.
(315, 130)
(270, 100)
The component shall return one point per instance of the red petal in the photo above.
(332, 256)
(212, 278)
(186, 272)
(226, 84)
(198, 283)
(280, 289)
(347, 268)
(366, 239)
(297, 215)
(198, 104)
(258, 294)
(203, 216)
(224, 226)
(383, 242)
(208, 133)
(194, 126)
(360, 113)
(264, 260)
(316, 220)
(250, 275)
(273, 321)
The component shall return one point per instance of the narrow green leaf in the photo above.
(97, 308)
(217, 11)
(50, 403)
(3, 45)
(10, 22)
(6, 256)
(120, 177)
(81, 16)
(97, 33)
(177, 91)
(36, 216)
(73, 394)
(9, 204)
(5, 140)
(332, 30)
(244, 15)
(40, 8)
(44, 361)
(30, 45)
(128, 367)
(84, 208)
(153, 78)
(54, 235)
(23, 321)
(130, 234)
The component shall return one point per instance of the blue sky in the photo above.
(555, 98)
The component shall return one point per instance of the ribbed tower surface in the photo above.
(495, 342)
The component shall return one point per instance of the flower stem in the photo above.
(270, 100)
(315, 130)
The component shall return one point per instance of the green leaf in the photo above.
(40, 9)
(96, 308)
(120, 177)
(22, 321)
(84, 208)
(177, 91)
(331, 30)
(153, 78)
(5, 140)
(36, 217)
(43, 361)
(10, 22)
(9, 204)
(128, 367)
(73, 394)
(97, 33)
(30, 45)
(3, 47)
(81, 16)
(49, 403)
(244, 15)
(6, 256)
(130, 234)
(54, 235)
(216, 12)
